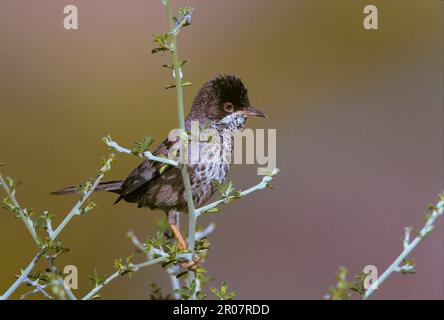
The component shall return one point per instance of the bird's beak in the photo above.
(251, 111)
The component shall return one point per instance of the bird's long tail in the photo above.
(110, 186)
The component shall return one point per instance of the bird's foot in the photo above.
(191, 265)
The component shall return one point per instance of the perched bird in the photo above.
(221, 104)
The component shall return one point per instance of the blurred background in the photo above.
(359, 122)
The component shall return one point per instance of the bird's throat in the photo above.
(234, 121)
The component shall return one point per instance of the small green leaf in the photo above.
(156, 50)
(200, 270)
(164, 168)
(183, 11)
(106, 164)
(97, 279)
(90, 206)
(408, 266)
(156, 293)
(124, 267)
(184, 84)
(168, 66)
(341, 290)
(142, 146)
(187, 84)
(223, 293)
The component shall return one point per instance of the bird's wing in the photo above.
(146, 172)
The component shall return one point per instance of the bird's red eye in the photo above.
(228, 107)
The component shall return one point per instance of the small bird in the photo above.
(221, 104)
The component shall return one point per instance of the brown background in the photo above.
(358, 115)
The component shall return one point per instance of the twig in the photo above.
(261, 185)
(53, 234)
(204, 233)
(171, 270)
(49, 228)
(396, 266)
(76, 209)
(192, 216)
(38, 288)
(22, 277)
(134, 268)
(67, 290)
(135, 241)
(26, 220)
(147, 154)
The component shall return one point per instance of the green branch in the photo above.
(399, 264)
(192, 216)
(23, 276)
(265, 183)
(86, 193)
(134, 268)
(344, 288)
(146, 154)
(10, 192)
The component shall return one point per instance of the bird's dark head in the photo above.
(224, 100)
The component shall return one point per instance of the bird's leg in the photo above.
(172, 220)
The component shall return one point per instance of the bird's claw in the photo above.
(191, 265)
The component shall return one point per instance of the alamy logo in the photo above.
(224, 146)
(371, 18)
(71, 281)
(71, 21)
